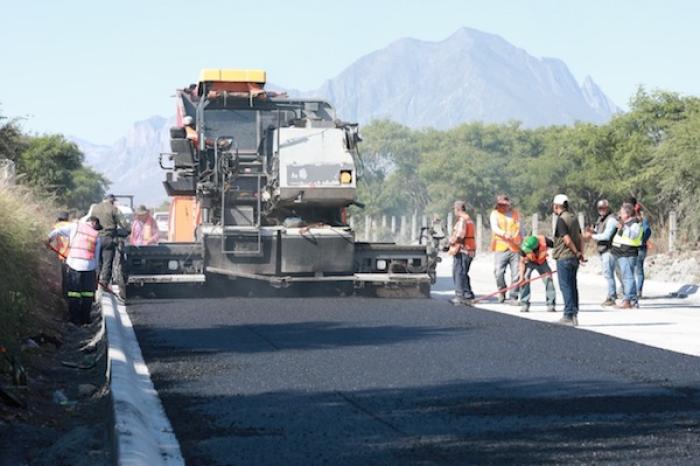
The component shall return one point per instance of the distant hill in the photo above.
(131, 163)
(470, 76)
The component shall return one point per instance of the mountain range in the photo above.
(470, 76)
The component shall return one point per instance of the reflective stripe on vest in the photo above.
(83, 243)
(510, 225)
(541, 256)
(622, 240)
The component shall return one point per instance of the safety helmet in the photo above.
(529, 244)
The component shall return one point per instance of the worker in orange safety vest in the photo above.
(62, 247)
(462, 249)
(81, 260)
(506, 236)
(533, 256)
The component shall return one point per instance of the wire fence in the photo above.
(406, 229)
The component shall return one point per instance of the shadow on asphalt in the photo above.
(499, 422)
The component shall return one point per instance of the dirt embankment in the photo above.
(54, 400)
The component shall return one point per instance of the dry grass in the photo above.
(29, 279)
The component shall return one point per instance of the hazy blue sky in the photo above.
(91, 68)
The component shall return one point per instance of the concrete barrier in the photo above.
(142, 433)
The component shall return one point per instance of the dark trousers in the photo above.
(568, 284)
(109, 247)
(64, 277)
(460, 274)
(80, 293)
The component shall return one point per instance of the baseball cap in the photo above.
(560, 199)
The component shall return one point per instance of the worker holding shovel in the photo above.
(533, 256)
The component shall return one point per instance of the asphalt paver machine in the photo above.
(268, 180)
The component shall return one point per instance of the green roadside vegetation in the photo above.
(50, 176)
(651, 152)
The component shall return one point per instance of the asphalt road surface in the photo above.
(328, 380)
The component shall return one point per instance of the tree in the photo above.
(89, 188)
(48, 163)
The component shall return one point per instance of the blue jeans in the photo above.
(460, 274)
(502, 260)
(639, 270)
(568, 284)
(629, 287)
(550, 293)
(607, 263)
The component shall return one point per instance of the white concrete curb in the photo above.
(142, 433)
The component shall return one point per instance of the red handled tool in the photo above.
(511, 287)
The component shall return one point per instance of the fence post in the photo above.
(581, 220)
(368, 227)
(393, 225)
(672, 231)
(535, 224)
(479, 232)
(554, 222)
(450, 218)
(403, 228)
(351, 223)
(414, 221)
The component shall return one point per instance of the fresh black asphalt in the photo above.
(329, 380)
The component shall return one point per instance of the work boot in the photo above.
(457, 301)
(525, 307)
(501, 298)
(625, 305)
(551, 308)
(512, 301)
(608, 302)
(568, 320)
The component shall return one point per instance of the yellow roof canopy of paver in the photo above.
(232, 75)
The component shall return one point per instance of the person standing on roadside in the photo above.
(111, 220)
(506, 235)
(81, 260)
(602, 233)
(642, 252)
(625, 249)
(462, 249)
(62, 246)
(568, 252)
(144, 229)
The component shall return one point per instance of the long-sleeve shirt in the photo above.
(629, 230)
(81, 265)
(496, 230)
(608, 232)
(144, 232)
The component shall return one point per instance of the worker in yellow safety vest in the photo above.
(81, 260)
(506, 236)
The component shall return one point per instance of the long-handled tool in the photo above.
(60, 254)
(516, 285)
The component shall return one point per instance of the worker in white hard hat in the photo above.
(602, 233)
(568, 252)
(190, 131)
